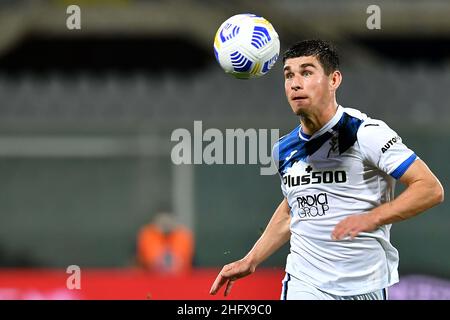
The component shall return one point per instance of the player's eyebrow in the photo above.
(304, 65)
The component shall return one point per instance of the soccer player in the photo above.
(338, 170)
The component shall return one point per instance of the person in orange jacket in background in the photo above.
(165, 246)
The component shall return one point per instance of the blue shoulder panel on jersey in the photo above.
(293, 149)
(347, 128)
(401, 169)
(290, 150)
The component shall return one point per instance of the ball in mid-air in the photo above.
(246, 46)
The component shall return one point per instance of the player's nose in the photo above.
(296, 84)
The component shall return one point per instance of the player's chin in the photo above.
(299, 109)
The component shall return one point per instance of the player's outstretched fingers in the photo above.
(229, 286)
(221, 278)
(218, 283)
(228, 271)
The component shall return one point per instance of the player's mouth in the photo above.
(299, 98)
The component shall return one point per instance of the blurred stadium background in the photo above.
(86, 118)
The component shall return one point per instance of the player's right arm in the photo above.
(274, 236)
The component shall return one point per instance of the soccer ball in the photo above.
(246, 46)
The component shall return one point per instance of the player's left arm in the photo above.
(423, 191)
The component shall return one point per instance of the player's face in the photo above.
(306, 84)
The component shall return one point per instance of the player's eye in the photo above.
(289, 75)
(306, 73)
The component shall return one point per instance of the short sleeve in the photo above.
(383, 147)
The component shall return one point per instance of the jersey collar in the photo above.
(326, 128)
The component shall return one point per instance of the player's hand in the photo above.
(229, 274)
(352, 226)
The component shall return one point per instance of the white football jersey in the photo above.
(346, 168)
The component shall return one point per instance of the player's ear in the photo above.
(335, 79)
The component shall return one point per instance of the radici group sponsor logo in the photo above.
(313, 205)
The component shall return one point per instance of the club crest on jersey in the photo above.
(333, 145)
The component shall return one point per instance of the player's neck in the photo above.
(313, 121)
